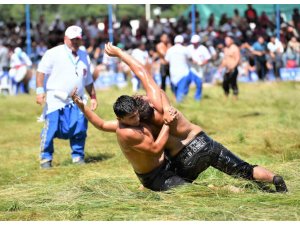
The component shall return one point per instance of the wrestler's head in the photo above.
(146, 111)
(126, 110)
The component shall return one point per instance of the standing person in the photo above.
(66, 67)
(5, 82)
(20, 69)
(230, 63)
(200, 57)
(251, 15)
(161, 49)
(178, 58)
(4, 57)
(275, 49)
(259, 50)
(141, 55)
(189, 149)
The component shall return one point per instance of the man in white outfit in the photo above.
(141, 55)
(20, 69)
(178, 58)
(67, 67)
(200, 57)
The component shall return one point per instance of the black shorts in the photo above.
(203, 152)
(161, 178)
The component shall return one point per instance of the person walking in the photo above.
(178, 58)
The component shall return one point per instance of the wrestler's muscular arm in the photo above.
(152, 89)
(108, 126)
(142, 141)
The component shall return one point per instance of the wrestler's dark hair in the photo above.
(146, 112)
(124, 105)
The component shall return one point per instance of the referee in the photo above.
(66, 67)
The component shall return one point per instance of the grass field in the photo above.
(263, 127)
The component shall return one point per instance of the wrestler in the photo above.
(190, 150)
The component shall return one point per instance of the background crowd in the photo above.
(262, 53)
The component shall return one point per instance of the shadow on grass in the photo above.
(252, 114)
(98, 157)
(91, 158)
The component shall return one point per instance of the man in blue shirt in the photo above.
(259, 50)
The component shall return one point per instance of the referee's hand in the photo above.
(40, 98)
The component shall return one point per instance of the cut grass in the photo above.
(263, 128)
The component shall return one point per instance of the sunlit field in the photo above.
(262, 127)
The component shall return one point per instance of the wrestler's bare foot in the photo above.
(141, 188)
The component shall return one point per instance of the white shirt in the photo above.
(65, 73)
(177, 56)
(273, 47)
(140, 55)
(199, 55)
(20, 59)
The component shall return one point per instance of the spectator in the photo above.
(161, 49)
(67, 67)
(157, 28)
(296, 19)
(142, 56)
(92, 28)
(4, 57)
(264, 20)
(57, 26)
(292, 54)
(259, 50)
(20, 69)
(275, 49)
(178, 58)
(5, 82)
(251, 15)
(43, 27)
(200, 57)
(211, 20)
(236, 19)
(41, 48)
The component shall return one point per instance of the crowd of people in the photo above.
(262, 54)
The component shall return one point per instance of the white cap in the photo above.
(195, 38)
(73, 32)
(178, 39)
(18, 50)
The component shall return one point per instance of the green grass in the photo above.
(263, 127)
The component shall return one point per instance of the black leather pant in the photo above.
(161, 178)
(203, 152)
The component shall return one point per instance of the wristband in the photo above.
(39, 90)
(93, 96)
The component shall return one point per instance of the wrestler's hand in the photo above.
(171, 115)
(77, 100)
(94, 104)
(112, 50)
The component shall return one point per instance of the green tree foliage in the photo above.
(175, 11)
(75, 11)
(133, 11)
